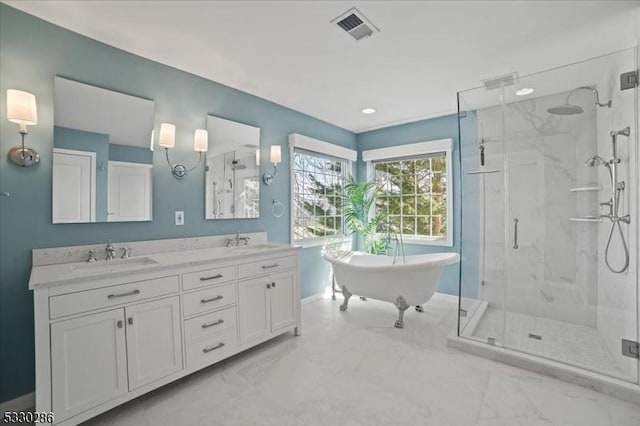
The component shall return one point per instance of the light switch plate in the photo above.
(179, 218)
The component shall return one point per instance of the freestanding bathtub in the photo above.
(403, 284)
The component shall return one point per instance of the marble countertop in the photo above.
(73, 272)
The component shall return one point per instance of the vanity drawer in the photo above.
(211, 349)
(209, 324)
(209, 299)
(266, 266)
(83, 301)
(208, 277)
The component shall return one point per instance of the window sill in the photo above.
(319, 242)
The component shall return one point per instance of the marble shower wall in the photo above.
(618, 293)
(553, 271)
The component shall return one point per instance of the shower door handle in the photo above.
(515, 234)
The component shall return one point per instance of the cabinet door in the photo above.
(154, 343)
(283, 304)
(253, 309)
(88, 362)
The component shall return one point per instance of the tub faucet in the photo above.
(111, 252)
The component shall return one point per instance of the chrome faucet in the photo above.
(237, 240)
(111, 252)
(92, 256)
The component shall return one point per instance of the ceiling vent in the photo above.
(354, 23)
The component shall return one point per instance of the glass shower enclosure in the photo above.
(549, 172)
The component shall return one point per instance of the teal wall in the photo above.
(79, 140)
(422, 131)
(130, 154)
(32, 52)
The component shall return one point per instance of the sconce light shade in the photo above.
(276, 154)
(21, 107)
(201, 140)
(167, 138)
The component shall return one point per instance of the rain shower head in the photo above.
(237, 165)
(569, 109)
(566, 109)
(596, 160)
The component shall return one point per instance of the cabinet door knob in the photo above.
(130, 321)
(268, 285)
(119, 323)
(273, 284)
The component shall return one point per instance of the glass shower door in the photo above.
(561, 301)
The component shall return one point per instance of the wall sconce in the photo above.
(276, 157)
(167, 139)
(21, 109)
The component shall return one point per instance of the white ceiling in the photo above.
(289, 53)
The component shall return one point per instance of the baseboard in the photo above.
(312, 298)
(21, 403)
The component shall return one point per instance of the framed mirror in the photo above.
(102, 154)
(232, 188)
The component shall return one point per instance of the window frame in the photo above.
(324, 150)
(409, 151)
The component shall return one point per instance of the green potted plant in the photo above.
(358, 198)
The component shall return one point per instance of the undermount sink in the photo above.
(259, 246)
(112, 265)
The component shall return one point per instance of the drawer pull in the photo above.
(211, 324)
(213, 299)
(213, 348)
(273, 265)
(131, 293)
(214, 277)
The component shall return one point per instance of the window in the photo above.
(318, 172)
(416, 189)
(317, 186)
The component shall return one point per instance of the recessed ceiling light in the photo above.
(525, 91)
(368, 110)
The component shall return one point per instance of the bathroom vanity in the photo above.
(109, 331)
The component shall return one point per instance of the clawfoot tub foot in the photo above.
(402, 306)
(419, 308)
(347, 295)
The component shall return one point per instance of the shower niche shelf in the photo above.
(586, 188)
(585, 219)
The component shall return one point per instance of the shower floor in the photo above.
(574, 344)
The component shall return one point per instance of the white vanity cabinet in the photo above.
(97, 357)
(104, 341)
(266, 304)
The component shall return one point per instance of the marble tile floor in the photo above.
(354, 368)
(575, 344)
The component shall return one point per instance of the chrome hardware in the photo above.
(515, 234)
(111, 252)
(535, 336)
(491, 341)
(463, 313)
(630, 348)
(273, 284)
(628, 80)
(92, 256)
(213, 348)
(273, 265)
(268, 285)
(131, 293)
(211, 324)
(130, 321)
(214, 277)
(237, 240)
(213, 299)
(119, 323)
(126, 253)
